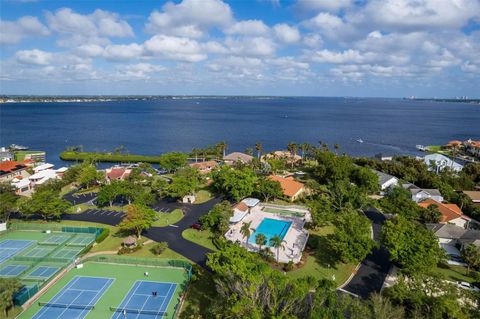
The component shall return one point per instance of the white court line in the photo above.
(168, 292)
(133, 293)
(56, 297)
(170, 300)
(108, 282)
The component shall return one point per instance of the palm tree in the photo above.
(277, 243)
(260, 240)
(259, 148)
(292, 148)
(245, 231)
(336, 147)
(223, 146)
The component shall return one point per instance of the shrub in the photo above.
(104, 234)
(159, 248)
(128, 250)
(288, 266)
(313, 242)
(219, 242)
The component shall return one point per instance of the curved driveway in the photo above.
(171, 234)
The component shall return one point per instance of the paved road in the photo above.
(170, 234)
(374, 268)
(80, 198)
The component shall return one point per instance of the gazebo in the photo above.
(129, 242)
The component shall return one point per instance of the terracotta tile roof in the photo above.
(117, 173)
(7, 167)
(289, 186)
(204, 165)
(474, 195)
(449, 211)
(241, 207)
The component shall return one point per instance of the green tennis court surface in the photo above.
(54, 239)
(38, 252)
(283, 212)
(168, 282)
(42, 273)
(67, 252)
(81, 240)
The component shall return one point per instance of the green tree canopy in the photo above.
(8, 288)
(186, 181)
(8, 201)
(45, 203)
(471, 256)
(267, 189)
(88, 176)
(234, 183)
(173, 161)
(137, 219)
(351, 239)
(412, 246)
(218, 217)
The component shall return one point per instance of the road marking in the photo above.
(173, 226)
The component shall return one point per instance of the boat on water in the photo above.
(359, 140)
(15, 147)
(421, 148)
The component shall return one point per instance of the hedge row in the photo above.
(108, 157)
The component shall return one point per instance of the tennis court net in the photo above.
(61, 305)
(139, 311)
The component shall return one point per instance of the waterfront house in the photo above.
(205, 167)
(234, 157)
(117, 173)
(5, 155)
(438, 162)
(474, 196)
(472, 147)
(22, 186)
(43, 176)
(385, 181)
(291, 188)
(287, 156)
(451, 213)
(420, 194)
(11, 169)
(453, 239)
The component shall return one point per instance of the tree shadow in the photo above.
(324, 255)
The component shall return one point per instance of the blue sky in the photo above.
(388, 48)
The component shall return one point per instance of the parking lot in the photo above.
(76, 199)
(104, 216)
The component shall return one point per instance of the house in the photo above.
(383, 157)
(117, 173)
(42, 176)
(241, 209)
(472, 147)
(420, 194)
(234, 157)
(22, 186)
(386, 181)
(451, 213)
(453, 239)
(437, 162)
(11, 169)
(205, 167)
(285, 155)
(5, 155)
(42, 167)
(474, 196)
(290, 187)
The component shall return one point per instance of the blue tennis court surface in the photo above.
(75, 299)
(141, 303)
(12, 270)
(11, 247)
(42, 272)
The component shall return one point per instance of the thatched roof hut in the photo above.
(129, 241)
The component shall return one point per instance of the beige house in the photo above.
(205, 167)
(290, 187)
(10, 170)
(234, 157)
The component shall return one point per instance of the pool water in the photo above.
(270, 227)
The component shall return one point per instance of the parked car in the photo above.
(196, 226)
(467, 286)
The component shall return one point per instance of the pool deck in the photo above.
(294, 240)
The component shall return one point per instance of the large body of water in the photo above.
(389, 126)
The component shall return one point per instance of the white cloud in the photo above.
(251, 46)
(329, 25)
(139, 71)
(12, 32)
(123, 51)
(286, 33)
(190, 18)
(347, 56)
(313, 40)
(96, 27)
(174, 48)
(37, 57)
(248, 27)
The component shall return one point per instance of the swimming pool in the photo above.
(270, 227)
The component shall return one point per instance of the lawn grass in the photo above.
(201, 237)
(94, 189)
(67, 189)
(165, 219)
(454, 273)
(146, 252)
(323, 264)
(203, 196)
(80, 208)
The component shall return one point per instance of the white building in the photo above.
(437, 162)
(386, 181)
(420, 194)
(453, 239)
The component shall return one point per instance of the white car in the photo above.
(468, 286)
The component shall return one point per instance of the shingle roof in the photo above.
(430, 191)
(289, 186)
(204, 165)
(465, 236)
(474, 195)
(383, 177)
(238, 156)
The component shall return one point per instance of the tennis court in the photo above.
(76, 299)
(57, 239)
(283, 212)
(67, 253)
(12, 270)
(42, 272)
(81, 240)
(11, 247)
(39, 252)
(146, 300)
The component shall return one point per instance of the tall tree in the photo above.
(260, 240)
(259, 148)
(8, 201)
(88, 176)
(186, 181)
(245, 231)
(292, 148)
(234, 183)
(431, 214)
(109, 192)
(173, 161)
(268, 189)
(471, 256)
(412, 246)
(45, 203)
(351, 239)
(8, 288)
(277, 243)
(217, 219)
(137, 219)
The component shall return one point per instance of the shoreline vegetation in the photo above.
(108, 157)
